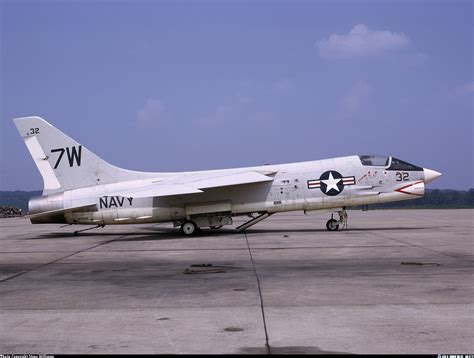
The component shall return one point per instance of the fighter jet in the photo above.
(81, 188)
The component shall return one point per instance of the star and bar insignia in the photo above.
(331, 182)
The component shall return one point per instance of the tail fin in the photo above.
(63, 163)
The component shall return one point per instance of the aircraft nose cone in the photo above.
(430, 175)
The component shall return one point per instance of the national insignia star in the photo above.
(331, 183)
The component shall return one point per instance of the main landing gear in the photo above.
(193, 227)
(333, 224)
(189, 228)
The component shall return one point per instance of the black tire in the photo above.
(189, 228)
(332, 225)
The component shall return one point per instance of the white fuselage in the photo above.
(290, 190)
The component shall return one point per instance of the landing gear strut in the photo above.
(333, 224)
(76, 233)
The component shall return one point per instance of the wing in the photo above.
(194, 184)
(228, 180)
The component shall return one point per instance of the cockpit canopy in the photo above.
(374, 160)
(390, 163)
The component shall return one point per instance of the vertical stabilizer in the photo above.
(63, 163)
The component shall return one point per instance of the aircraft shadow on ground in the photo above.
(174, 233)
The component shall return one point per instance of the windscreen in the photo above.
(398, 164)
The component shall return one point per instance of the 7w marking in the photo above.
(73, 155)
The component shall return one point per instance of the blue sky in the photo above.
(175, 86)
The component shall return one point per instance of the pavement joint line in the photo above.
(225, 249)
(214, 249)
(165, 250)
(170, 340)
(407, 274)
(267, 345)
(65, 257)
(409, 243)
(154, 308)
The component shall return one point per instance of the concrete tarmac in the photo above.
(396, 281)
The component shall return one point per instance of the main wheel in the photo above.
(189, 228)
(332, 225)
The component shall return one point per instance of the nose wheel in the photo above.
(333, 224)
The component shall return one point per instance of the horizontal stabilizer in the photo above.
(61, 211)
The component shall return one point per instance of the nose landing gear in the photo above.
(333, 224)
